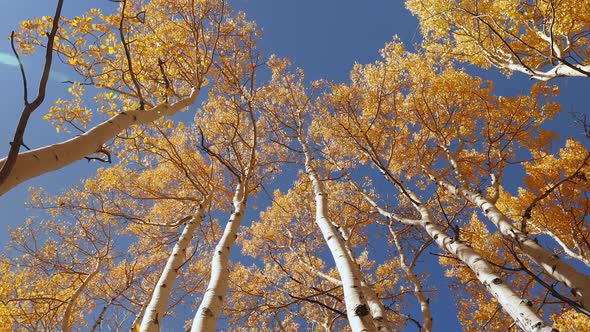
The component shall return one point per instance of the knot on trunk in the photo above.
(361, 310)
(206, 312)
(526, 302)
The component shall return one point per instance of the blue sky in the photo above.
(325, 38)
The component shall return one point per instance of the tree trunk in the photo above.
(157, 307)
(375, 306)
(206, 316)
(554, 266)
(519, 309)
(53, 157)
(418, 292)
(567, 249)
(357, 309)
(66, 323)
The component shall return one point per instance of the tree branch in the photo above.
(29, 108)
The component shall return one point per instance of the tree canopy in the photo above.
(288, 204)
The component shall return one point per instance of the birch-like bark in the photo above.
(423, 300)
(567, 249)
(418, 292)
(559, 70)
(375, 305)
(554, 266)
(206, 316)
(358, 313)
(508, 59)
(53, 157)
(66, 323)
(156, 309)
(136, 325)
(519, 309)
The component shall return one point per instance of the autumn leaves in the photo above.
(411, 152)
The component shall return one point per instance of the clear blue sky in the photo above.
(323, 37)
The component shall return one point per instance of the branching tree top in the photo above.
(285, 204)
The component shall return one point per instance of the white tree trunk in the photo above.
(357, 309)
(559, 70)
(156, 309)
(66, 323)
(375, 306)
(554, 266)
(52, 157)
(136, 324)
(423, 300)
(206, 316)
(519, 309)
(567, 249)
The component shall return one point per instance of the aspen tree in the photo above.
(158, 74)
(544, 39)
(296, 104)
(411, 151)
(362, 110)
(231, 136)
(156, 309)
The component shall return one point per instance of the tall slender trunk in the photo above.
(519, 309)
(208, 312)
(156, 309)
(568, 251)
(136, 324)
(357, 309)
(375, 305)
(554, 266)
(66, 323)
(418, 291)
(376, 308)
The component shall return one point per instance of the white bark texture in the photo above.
(559, 70)
(206, 316)
(375, 305)
(156, 309)
(519, 309)
(554, 266)
(376, 308)
(53, 157)
(66, 323)
(567, 249)
(136, 325)
(357, 310)
(423, 300)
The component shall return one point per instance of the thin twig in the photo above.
(31, 107)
